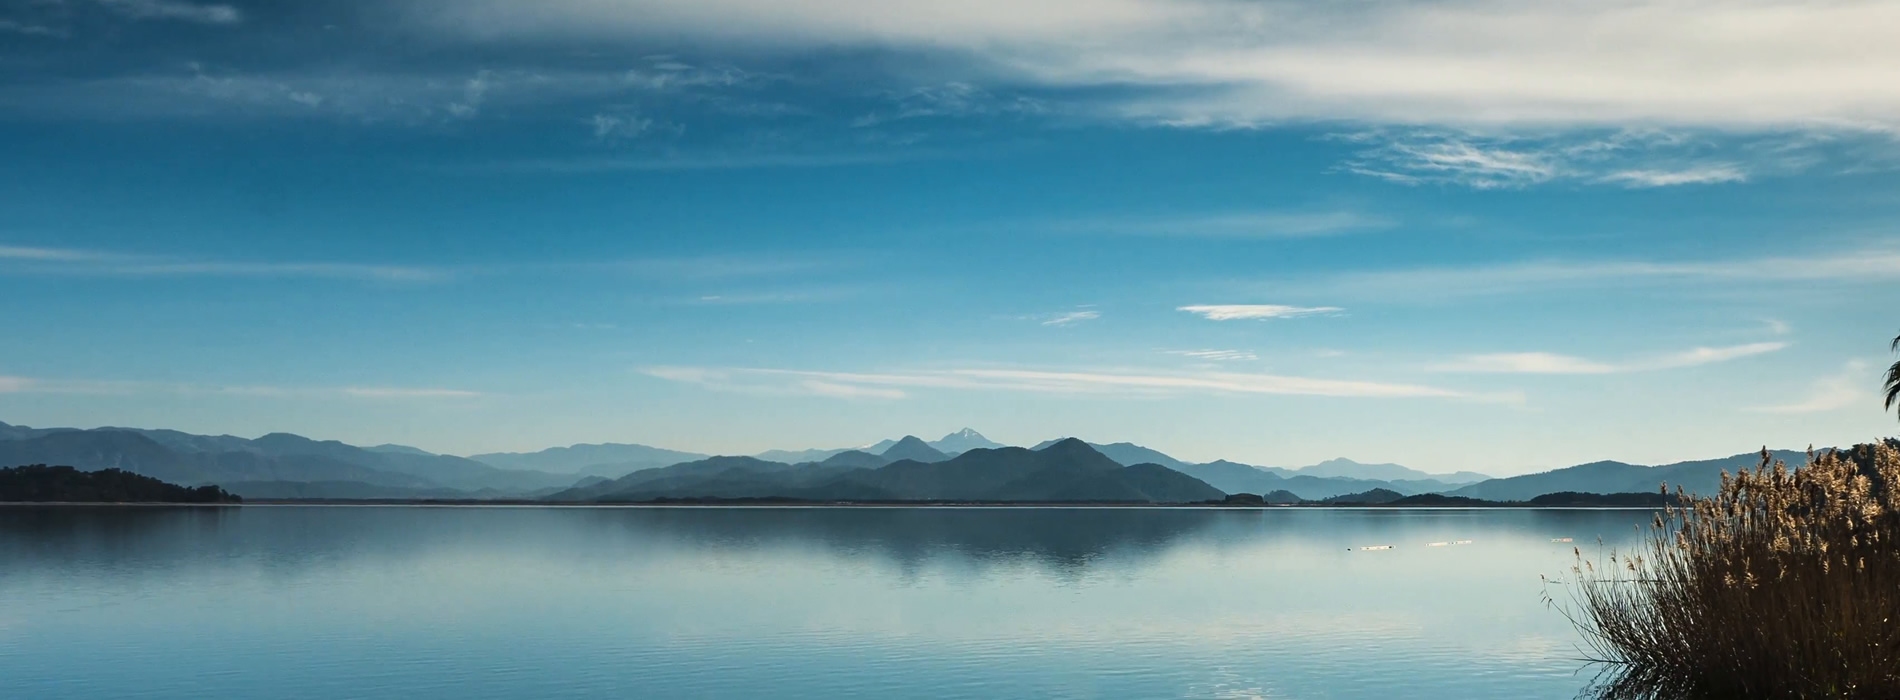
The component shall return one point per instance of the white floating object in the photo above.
(1439, 544)
(1374, 548)
(1461, 542)
(1560, 539)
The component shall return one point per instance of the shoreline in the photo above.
(424, 503)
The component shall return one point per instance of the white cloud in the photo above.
(1831, 393)
(11, 26)
(380, 392)
(1552, 363)
(1257, 224)
(1071, 317)
(1133, 383)
(173, 9)
(1527, 363)
(473, 92)
(1236, 312)
(1560, 63)
(1411, 161)
(1703, 175)
(1871, 265)
(67, 261)
(1215, 355)
(1703, 356)
(850, 391)
(118, 387)
(611, 128)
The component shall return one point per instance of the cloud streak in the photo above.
(1240, 312)
(1038, 381)
(175, 10)
(15, 384)
(1437, 283)
(1071, 318)
(1237, 225)
(1552, 363)
(1216, 62)
(1830, 393)
(65, 261)
(1215, 355)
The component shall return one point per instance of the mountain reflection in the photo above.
(1064, 541)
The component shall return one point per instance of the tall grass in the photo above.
(1785, 584)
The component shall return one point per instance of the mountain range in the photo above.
(282, 465)
(238, 464)
(1067, 470)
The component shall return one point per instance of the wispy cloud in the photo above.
(1215, 355)
(1444, 159)
(1130, 383)
(1071, 317)
(584, 165)
(1629, 158)
(1552, 363)
(65, 261)
(175, 10)
(1561, 63)
(118, 387)
(1831, 393)
(1862, 266)
(1526, 363)
(1237, 225)
(376, 392)
(1238, 312)
(8, 26)
(1701, 175)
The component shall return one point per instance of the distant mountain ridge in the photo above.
(600, 459)
(283, 465)
(1699, 476)
(1069, 470)
(950, 445)
(186, 459)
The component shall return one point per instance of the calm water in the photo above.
(473, 603)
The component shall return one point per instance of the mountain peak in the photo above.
(963, 441)
(1067, 445)
(915, 449)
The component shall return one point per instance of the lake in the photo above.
(416, 603)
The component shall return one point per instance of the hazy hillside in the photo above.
(1702, 476)
(588, 458)
(1342, 467)
(183, 458)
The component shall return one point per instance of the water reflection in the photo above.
(477, 603)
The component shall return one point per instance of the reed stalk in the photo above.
(1784, 584)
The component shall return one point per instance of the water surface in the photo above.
(417, 603)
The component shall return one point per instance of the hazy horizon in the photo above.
(1452, 235)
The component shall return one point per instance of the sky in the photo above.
(1452, 234)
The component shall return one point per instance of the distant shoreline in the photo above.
(805, 505)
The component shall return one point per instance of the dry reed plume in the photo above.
(1785, 584)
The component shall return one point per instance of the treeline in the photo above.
(39, 483)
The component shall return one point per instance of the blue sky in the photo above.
(1455, 234)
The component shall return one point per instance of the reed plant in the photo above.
(1784, 584)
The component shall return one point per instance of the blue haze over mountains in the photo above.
(960, 466)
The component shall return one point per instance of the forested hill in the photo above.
(43, 484)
